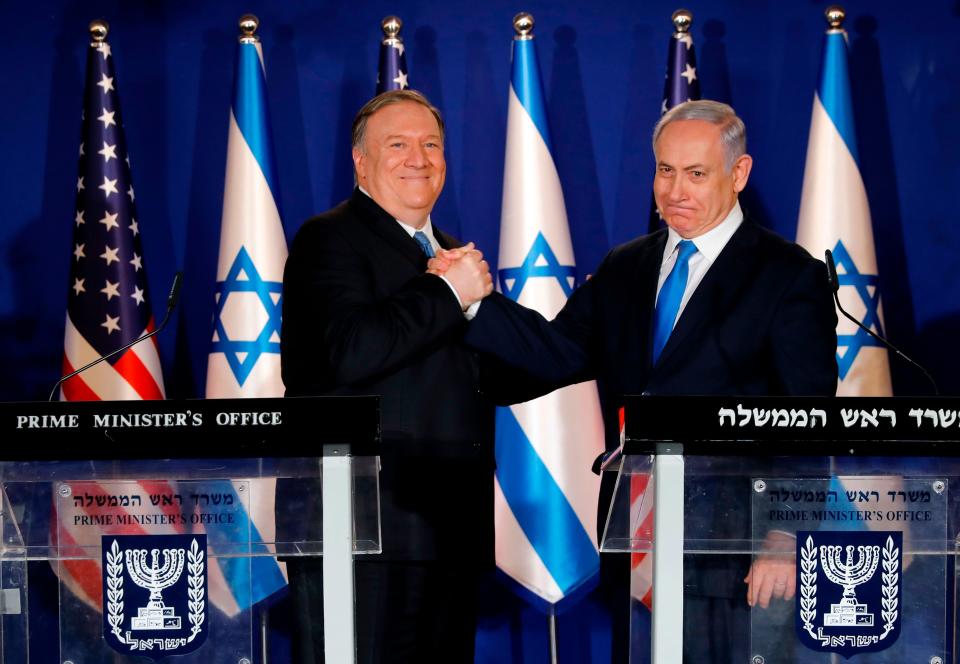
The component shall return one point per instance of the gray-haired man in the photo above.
(713, 304)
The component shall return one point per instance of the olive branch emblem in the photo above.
(196, 566)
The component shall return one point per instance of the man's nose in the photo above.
(416, 156)
(677, 191)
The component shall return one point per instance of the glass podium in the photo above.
(844, 515)
(164, 522)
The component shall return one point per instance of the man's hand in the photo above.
(465, 270)
(444, 258)
(774, 573)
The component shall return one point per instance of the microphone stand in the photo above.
(171, 305)
(835, 287)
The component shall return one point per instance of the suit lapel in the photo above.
(386, 227)
(639, 303)
(731, 271)
(445, 241)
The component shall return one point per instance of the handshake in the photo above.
(465, 270)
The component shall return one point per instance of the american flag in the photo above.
(107, 302)
(681, 82)
(392, 73)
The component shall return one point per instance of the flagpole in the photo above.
(552, 622)
(392, 73)
(545, 504)
(680, 83)
(264, 635)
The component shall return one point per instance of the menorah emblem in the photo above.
(829, 617)
(155, 577)
(856, 569)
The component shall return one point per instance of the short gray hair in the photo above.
(733, 133)
(359, 129)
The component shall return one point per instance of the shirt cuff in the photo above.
(472, 310)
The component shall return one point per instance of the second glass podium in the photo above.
(776, 545)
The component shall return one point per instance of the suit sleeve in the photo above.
(804, 335)
(336, 323)
(553, 353)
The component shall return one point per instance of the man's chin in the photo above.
(420, 201)
(680, 223)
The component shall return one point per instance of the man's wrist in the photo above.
(455, 293)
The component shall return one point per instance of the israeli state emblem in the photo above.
(848, 590)
(154, 594)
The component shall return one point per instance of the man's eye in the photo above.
(396, 145)
(697, 174)
(665, 170)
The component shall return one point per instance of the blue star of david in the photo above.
(253, 348)
(868, 289)
(513, 279)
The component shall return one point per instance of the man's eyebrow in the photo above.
(692, 167)
(389, 137)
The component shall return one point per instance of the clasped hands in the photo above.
(465, 270)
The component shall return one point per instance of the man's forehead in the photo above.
(690, 126)
(404, 117)
(688, 137)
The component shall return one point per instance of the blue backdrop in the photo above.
(602, 67)
(603, 71)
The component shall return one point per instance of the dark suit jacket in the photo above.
(762, 322)
(360, 317)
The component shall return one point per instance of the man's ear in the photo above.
(359, 164)
(741, 172)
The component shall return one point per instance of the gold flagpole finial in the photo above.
(98, 31)
(391, 27)
(248, 27)
(682, 20)
(835, 15)
(523, 25)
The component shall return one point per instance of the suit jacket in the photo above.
(360, 317)
(761, 322)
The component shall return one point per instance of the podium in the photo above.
(849, 506)
(166, 521)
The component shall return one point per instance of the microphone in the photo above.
(835, 287)
(172, 300)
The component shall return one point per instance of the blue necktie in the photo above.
(671, 294)
(424, 243)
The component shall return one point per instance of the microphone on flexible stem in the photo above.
(172, 299)
(835, 287)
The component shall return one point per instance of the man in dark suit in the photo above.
(713, 304)
(361, 316)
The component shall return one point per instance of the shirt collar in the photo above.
(711, 243)
(427, 227)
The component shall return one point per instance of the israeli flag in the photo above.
(546, 495)
(244, 356)
(835, 215)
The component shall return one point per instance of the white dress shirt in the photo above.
(709, 245)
